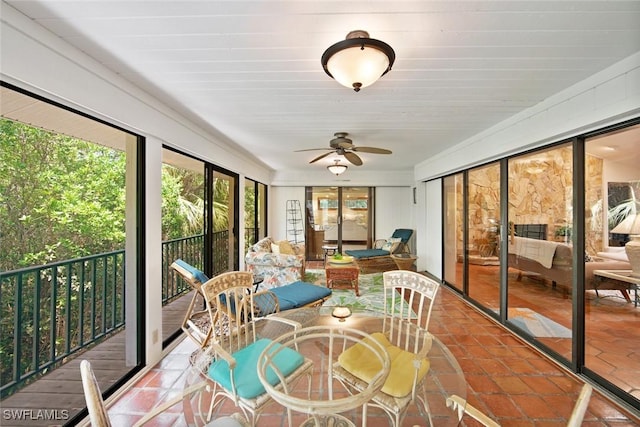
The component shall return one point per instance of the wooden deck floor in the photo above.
(58, 395)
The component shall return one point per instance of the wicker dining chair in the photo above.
(405, 336)
(230, 359)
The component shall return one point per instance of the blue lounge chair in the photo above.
(379, 258)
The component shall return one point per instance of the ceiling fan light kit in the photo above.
(358, 61)
(337, 168)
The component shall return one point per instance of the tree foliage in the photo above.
(60, 197)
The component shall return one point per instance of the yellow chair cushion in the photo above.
(360, 362)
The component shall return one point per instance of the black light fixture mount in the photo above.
(358, 61)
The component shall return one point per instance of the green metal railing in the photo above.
(50, 312)
(188, 249)
(55, 310)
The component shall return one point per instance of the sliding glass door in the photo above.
(222, 221)
(255, 212)
(453, 229)
(483, 241)
(557, 270)
(540, 247)
(612, 203)
(70, 193)
(183, 196)
(339, 217)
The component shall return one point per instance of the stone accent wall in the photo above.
(540, 192)
(484, 206)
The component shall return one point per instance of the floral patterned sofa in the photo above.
(278, 263)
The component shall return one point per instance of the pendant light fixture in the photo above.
(358, 61)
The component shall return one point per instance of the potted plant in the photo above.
(564, 232)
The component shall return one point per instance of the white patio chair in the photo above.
(408, 342)
(577, 415)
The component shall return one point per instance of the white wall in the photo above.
(278, 197)
(430, 228)
(394, 209)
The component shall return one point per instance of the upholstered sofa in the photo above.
(277, 263)
(553, 261)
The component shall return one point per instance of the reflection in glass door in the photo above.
(612, 201)
(540, 278)
(255, 199)
(338, 217)
(453, 227)
(483, 249)
(221, 239)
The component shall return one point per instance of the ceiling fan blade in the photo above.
(353, 158)
(321, 156)
(373, 150)
(313, 149)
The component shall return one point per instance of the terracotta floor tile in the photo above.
(519, 365)
(507, 379)
(502, 406)
(494, 367)
(535, 406)
(540, 385)
(482, 384)
(512, 385)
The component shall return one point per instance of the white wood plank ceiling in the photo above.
(251, 69)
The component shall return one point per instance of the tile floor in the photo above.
(507, 379)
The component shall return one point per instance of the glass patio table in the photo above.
(444, 377)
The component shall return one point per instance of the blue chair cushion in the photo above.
(367, 253)
(298, 294)
(403, 233)
(199, 275)
(247, 383)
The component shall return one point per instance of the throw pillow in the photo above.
(587, 257)
(286, 248)
(388, 245)
(263, 245)
(275, 248)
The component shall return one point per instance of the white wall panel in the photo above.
(394, 207)
(278, 197)
(430, 243)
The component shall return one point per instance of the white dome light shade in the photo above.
(337, 169)
(358, 61)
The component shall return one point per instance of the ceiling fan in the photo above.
(343, 146)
